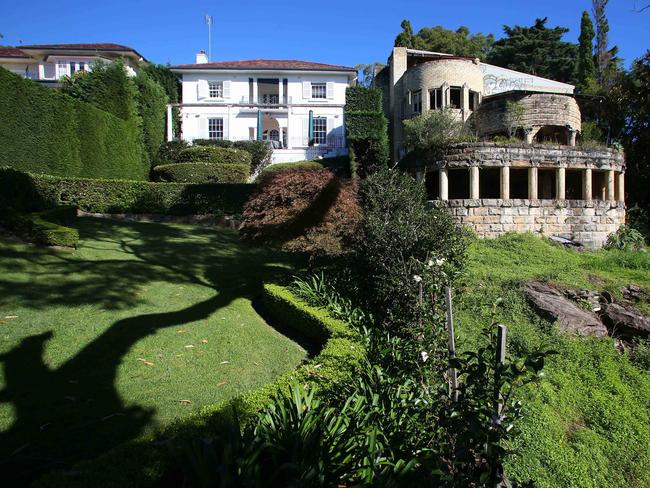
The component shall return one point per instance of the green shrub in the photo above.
(202, 173)
(362, 99)
(46, 131)
(366, 130)
(213, 154)
(625, 238)
(170, 151)
(44, 227)
(260, 151)
(152, 108)
(298, 165)
(29, 192)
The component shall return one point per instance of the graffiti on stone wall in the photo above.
(498, 84)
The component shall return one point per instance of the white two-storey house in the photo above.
(295, 105)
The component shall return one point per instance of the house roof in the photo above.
(266, 64)
(94, 47)
(12, 52)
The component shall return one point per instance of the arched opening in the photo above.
(271, 129)
(554, 134)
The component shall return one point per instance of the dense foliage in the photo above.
(214, 155)
(366, 130)
(201, 172)
(439, 39)
(152, 107)
(537, 50)
(260, 151)
(45, 131)
(29, 192)
(171, 84)
(46, 227)
(585, 65)
(311, 211)
(430, 133)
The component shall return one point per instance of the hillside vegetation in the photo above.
(588, 422)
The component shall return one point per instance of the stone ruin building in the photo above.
(547, 184)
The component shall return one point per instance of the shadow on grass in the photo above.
(75, 412)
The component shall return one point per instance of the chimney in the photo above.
(201, 57)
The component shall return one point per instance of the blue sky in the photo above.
(338, 32)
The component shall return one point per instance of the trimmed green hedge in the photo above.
(144, 462)
(339, 165)
(214, 154)
(202, 173)
(366, 125)
(44, 227)
(30, 192)
(362, 99)
(260, 151)
(46, 131)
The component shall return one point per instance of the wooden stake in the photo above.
(500, 361)
(453, 374)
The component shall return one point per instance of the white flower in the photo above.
(440, 261)
(430, 263)
(417, 278)
(424, 356)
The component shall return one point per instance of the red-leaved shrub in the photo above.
(310, 211)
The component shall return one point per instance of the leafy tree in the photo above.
(428, 134)
(537, 50)
(513, 116)
(439, 39)
(368, 73)
(586, 66)
(172, 86)
(152, 105)
(603, 56)
(637, 140)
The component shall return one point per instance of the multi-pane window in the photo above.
(473, 100)
(417, 102)
(435, 99)
(319, 90)
(216, 89)
(215, 128)
(320, 130)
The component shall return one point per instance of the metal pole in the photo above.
(453, 374)
(500, 361)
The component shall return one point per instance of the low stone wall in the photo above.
(587, 222)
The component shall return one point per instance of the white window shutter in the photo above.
(306, 90)
(202, 89)
(330, 89)
(226, 127)
(226, 89)
(203, 128)
(305, 132)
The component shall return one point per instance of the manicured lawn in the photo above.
(142, 325)
(588, 422)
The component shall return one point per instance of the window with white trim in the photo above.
(320, 130)
(319, 90)
(417, 102)
(216, 89)
(215, 128)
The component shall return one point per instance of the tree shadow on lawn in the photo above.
(75, 412)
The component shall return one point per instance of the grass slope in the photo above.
(140, 326)
(588, 422)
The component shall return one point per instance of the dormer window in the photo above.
(216, 89)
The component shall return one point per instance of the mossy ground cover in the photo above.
(588, 420)
(142, 325)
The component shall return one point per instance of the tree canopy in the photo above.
(537, 50)
(459, 42)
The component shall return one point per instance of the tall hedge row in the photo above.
(45, 131)
(27, 192)
(367, 129)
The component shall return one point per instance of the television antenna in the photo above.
(208, 21)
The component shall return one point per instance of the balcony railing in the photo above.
(266, 101)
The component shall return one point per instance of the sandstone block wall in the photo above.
(587, 222)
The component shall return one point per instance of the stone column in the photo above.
(610, 195)
(532, 183)
(528, 134)
(443, 183)
(621, 187)
(473, 183)
(560, 183)
(505, 183)
(586, 184)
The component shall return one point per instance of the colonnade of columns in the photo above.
(614, 184)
